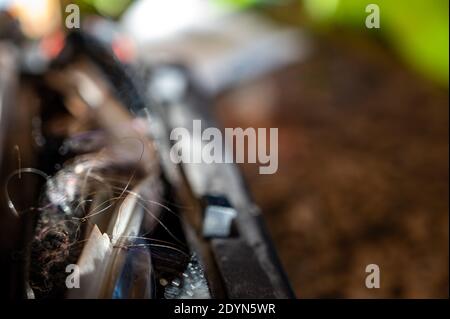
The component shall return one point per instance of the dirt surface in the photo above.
(363, 171)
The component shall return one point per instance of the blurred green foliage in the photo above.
(108, 8)
(417, 29)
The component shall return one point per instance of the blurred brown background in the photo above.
(363, 170)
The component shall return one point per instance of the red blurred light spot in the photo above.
(53, 44)
(123, 48)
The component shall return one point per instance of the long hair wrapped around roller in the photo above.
(99, 210)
